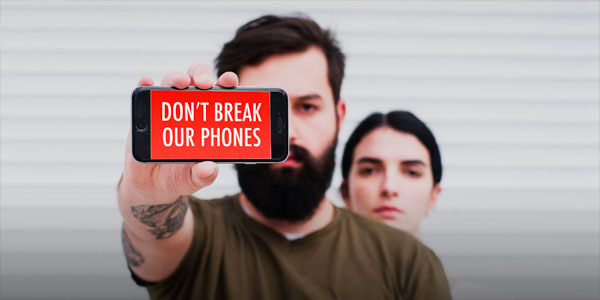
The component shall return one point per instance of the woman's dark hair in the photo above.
(402, 121)
(268, 35)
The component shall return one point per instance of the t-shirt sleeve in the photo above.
(184, 272)
(139, 281)
(425, 279)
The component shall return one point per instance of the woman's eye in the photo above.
(414, 174)
(366, 171)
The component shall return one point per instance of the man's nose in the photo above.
(293, 136)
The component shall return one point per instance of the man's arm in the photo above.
(158, 227)
(155, 237)
(427, 278)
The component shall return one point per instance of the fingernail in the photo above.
(203, 81)
(206, 169)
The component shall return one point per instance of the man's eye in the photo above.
(307, 107)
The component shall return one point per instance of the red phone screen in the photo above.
(210, 124)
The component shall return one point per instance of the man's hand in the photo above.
(157, 227)
(169, 181)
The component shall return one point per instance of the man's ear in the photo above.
(344, 192)
(340, 110)
(435, 192)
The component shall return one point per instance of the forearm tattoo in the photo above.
(165, 219)
(133, 256)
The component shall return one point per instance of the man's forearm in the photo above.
(149, 214)
(155, 234)
(163, 219)
(134, 256)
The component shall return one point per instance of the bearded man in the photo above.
(280, 238)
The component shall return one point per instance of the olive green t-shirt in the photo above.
(232, 256)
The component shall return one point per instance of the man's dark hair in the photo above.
(268, 35)
(402, 121)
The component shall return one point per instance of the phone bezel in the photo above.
(140, 111)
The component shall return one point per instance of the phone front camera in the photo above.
(140, 125)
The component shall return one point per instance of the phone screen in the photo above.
(213, 124)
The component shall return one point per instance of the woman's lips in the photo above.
(388, 212)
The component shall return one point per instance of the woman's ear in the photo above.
(344, 192)
(435, 192)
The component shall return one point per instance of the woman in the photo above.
(391, 170)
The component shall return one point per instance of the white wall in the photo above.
(510, 89)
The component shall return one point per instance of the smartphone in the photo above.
(233, 125)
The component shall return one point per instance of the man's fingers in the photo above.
(201, 74)
(228, 80)
(204, 173)
(146, 81)
(176, 79)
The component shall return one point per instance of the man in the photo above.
(280, 238)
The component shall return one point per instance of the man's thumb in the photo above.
(204, 173)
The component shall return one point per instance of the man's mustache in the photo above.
(299, 153)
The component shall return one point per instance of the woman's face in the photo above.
(391, 180)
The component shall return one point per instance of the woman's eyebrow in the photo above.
(369, 160)
(413, 162)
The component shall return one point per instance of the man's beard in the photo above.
(286, 193)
